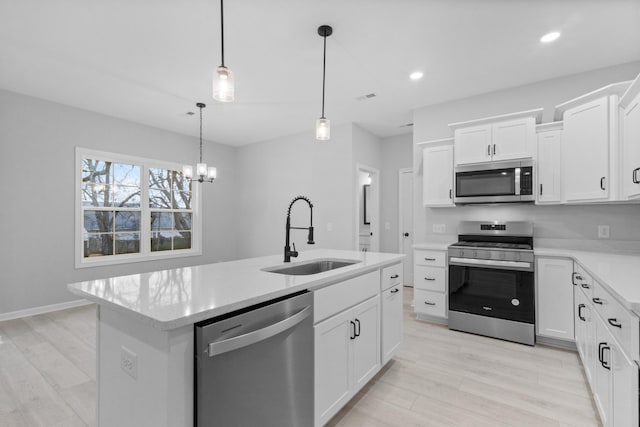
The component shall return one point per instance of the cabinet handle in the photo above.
(614, 322)
(489, 150)
(494, 149)
(450, 193)
(395, 291)
(597, 301)
(431, 279)
(575, 276)
(430, 303)
(541, 189)
(429, 259)
(580, 307)
(585, 285)
(605, 364)
(358, 322)
(353, 330)
(602, 183)
(395, 276)
(634, 175)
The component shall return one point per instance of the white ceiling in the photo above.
(150, 61)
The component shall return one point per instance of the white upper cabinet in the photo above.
(549, 166)
(590, 145)
(630, 117)
(506, 137)
(437, 162)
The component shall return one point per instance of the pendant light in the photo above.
(223, 85)
(204, 173)
(323, 125)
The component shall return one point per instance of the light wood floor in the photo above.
(439, 378)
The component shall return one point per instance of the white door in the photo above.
(549, 151)
(473, 144)
(332, 365)
(391, 321)
(585, 152)
(513, 139)
(602, 374)
(631, 149)
(554, 298)
(405, 229)
(624, 411)
(437, 186)
(366, 345)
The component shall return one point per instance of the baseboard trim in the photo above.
(42, 309)
(556, 342)
(432, 319)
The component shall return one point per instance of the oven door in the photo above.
(504, 290)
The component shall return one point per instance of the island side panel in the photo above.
(161, 394)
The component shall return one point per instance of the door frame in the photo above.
(400, 205)
(375, 206)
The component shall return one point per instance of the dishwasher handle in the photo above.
(253, 337)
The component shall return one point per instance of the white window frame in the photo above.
(145, 253)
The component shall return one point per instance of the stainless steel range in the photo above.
(491, 280)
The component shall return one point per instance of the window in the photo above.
(133, 209)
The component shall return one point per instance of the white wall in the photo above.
(274, 172)
(396, 154)
(37, 155)
(571, 226)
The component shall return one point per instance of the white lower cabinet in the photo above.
(624, 402)
(554, 298)
(602, 373)
(391, 321)
(585, 331)
(347, 355)
(430, 283)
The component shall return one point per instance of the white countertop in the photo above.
(619, 274)
(169, 299)
(433, 246)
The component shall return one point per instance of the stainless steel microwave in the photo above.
(496, 182)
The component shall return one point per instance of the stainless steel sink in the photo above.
(311, 267)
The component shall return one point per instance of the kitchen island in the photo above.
(145, 332)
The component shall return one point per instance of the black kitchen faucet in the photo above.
(288, 253)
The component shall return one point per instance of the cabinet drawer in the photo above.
(584, 280)
(430, 303)
(340, 296)
(622, 324)
(391, 276)
(431, 258)
(429, 278)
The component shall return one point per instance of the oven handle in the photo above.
(511, 265)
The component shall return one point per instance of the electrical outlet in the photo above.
(129, 362)
(439, 228)
(603, 232)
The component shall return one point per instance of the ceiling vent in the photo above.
(367, 96)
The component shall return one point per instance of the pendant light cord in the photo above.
(200, 134)
(222, 29)
(324, 67)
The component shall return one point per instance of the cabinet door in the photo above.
(555, 298)
(602, 373)
(624, 403)
(585, 334)
(437, 176)
(473, 144)
(585, 152)
(549, 167)
(366, 345)
(333, 339)
(391, 322)
(513, 139)
(631, 148)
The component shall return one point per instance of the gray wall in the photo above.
(396, 154)
(37, 153)
(568, 226)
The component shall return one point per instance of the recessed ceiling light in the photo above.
(416, 75)
(549, 37)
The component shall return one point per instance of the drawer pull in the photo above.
(614, 322)
(585, 286)
(430, 303)
(394, 291)
(597, 301)
(429, 259)
(575, 276)
(431, 279)
(395, 276)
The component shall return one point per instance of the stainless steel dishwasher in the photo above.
(254, 367)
